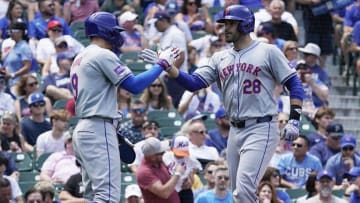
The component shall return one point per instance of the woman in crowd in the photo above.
(124, 101)
(14, 11)
(272, 175)
(156, 96)
(291, 52)
(27, 85)
(266, 193)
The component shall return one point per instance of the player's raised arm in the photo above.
(136, 84)
(189, 82)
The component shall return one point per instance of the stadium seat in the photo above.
(25, 186)
(168, 132)
(75, 26)
(296, 193)
(40, 160)
(23, 161)
(306, 127)
(129, 57)
(60, 104)
(29, 176)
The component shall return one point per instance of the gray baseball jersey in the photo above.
(247, 78)
(95, 74)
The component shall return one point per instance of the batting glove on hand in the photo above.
(290, 131)
(165, 58)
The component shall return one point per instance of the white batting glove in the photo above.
(290, 131)
(165, 58)
(149, 56)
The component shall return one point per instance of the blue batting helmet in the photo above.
(242, 14)
(104, 25)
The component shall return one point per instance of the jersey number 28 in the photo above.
(252, 86)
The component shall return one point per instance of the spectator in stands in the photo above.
(331, 146)
(156, 96)
(48, 47)
(263, 15)
(149, 129)
(310, 187)
(323, 117)
(47, 190)
(172, 36)
(73, 189)
(180, 155)
(221, 189)
(16, 194)
(27, 85)
(196, 16)
(38, 26)
(77, 11)
(311, 54)
(290, 50)
(195, 129)
(325, 184)
(218, 136)
(352, 193)
(6, 100)
(316, 92)
(227, 3)
(266, 30)
(193, 57)
(133, 194)
(5, 191)
(266, 193)
(272, 175)
(52, 140)
(155, 182)
(11, 139)
(11, 169)
(58, 85)
(131, 129)
(355, 45)
(283, 29)
(342, 162)
(14, 11)
(112, 6)
(173, 9)
(295, 167)
(59, 166)
(35, 124)
(215, 45)
(20, 60)
(318, 28)
(124, 101)
(209, 177)
(33, 196)
(133, 35)
(203, 100)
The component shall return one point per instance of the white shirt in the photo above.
(15, 188)
(263, 16)
(46, 143)
(203, 152)
(190, 163)
(6, 103)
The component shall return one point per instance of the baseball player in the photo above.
(247, 74)
(95, 75)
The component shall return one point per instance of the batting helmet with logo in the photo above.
(242, 14)
(104, 25)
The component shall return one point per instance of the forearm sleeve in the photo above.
(295, 87)
(136, 84)
(190, 82)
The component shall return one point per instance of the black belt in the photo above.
(242, 123)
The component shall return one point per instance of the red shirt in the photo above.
(148, 174)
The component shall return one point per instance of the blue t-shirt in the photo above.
(252, 4)
(356, 33)
(216, 140)
(282, 195)
(295, 172)
(38, 26)
(14, 60)
(31, 129)
(4, 24)
(352, 15)
(209, 196)
(319, 73)
(323, 152)
(315, 138)
(354, 197)
(60, 81)
(335, 165)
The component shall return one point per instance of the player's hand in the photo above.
(290, 131)
(168, 57)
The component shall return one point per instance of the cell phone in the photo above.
(202, 11)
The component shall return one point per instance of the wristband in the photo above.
(163, 63)
(295, 112)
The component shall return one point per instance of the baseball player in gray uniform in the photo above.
(247, 75)
(96, 74)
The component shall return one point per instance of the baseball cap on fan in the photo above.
(35, 97)
(127, 16)
(159, 15)
(195, 116)
(311, 48)
(132, 190)
(181, 146)
(152, 146)
(335, 129)
(53, 23)
(324, 173)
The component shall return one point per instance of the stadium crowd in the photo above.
(167, 124)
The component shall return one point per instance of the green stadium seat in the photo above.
(168, 132)
(129, 57)
(306, 127)
(25, 186)
(23, 161)
(60, 104)
(75, 26)
(40, 160)
(29, 176)
(296, 193)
